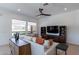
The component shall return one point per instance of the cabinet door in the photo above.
(11, 45)
(16, 50)
(25, 50)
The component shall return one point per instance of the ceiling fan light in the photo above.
(65, 9)
(18, 9)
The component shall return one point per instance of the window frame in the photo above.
(29, 31)
(21, 32)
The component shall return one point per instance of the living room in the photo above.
(25, 20)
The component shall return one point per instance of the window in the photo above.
(32, 27)
(18, 26)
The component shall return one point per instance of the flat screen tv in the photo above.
(52, 29)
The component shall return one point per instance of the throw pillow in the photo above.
(40, 40)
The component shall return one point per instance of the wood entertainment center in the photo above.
(61, 38)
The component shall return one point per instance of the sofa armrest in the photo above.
(51, 50)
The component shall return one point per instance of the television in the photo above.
(52, 29)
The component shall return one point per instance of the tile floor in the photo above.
(5, 50)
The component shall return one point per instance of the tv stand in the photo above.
(61, 37)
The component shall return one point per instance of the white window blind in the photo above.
(18, 26)
(32, 26)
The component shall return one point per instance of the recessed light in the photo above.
(65, 9)
(18, 9)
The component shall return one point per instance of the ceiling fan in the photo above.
(43, 14)
(45, 4)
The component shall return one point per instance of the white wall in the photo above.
(69, 19)
(5, 24)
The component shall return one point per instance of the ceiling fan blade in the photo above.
(46, 14)
(45, 4)
(38, 15)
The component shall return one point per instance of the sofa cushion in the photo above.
(46, 44)
(34, 39)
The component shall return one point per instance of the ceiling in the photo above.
(32, 9)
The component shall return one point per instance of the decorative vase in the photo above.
(16, 35)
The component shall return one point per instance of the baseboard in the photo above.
(72, 44)
(4, 45)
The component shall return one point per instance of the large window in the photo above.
(18, 26)
(32, 27)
